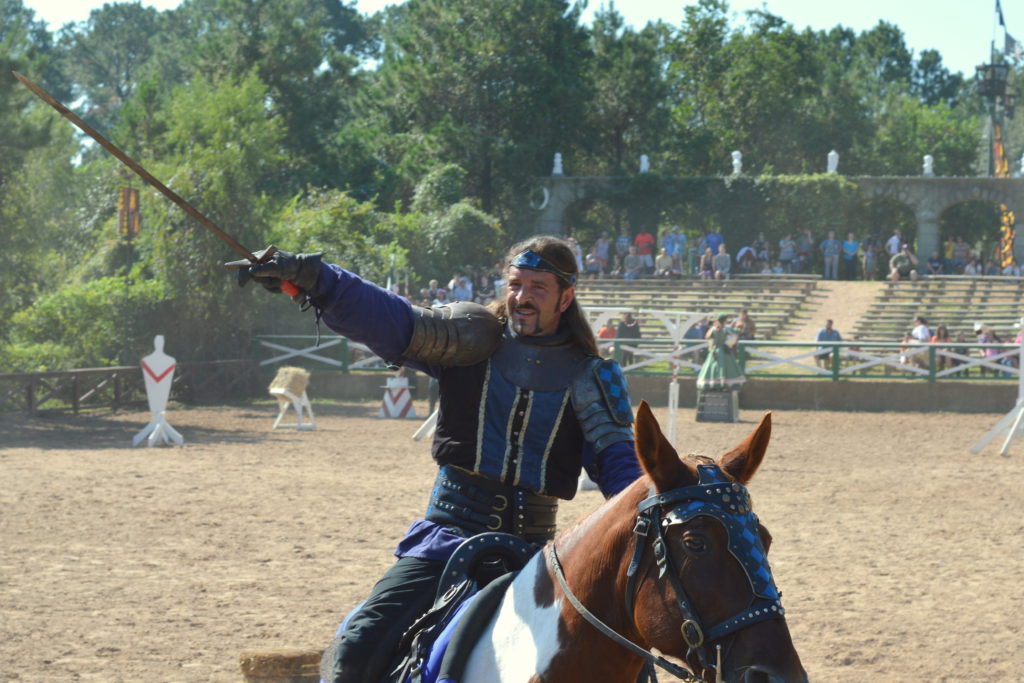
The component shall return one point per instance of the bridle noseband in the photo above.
(714, 496)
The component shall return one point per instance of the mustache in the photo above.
(526, 307)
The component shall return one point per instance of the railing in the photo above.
(828, 360)
(117, 387)
(344, 354)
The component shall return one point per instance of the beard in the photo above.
(528, 326)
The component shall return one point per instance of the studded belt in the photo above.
(475, 504)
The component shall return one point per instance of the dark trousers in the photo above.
(366, 649)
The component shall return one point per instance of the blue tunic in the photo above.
(384, 321)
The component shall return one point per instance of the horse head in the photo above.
(709, 566)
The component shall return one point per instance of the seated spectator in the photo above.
(972, 267)
(992, 267)
(603, 247)
(1011, 269)
(722, 263)
(745, 325)
(760, 247)
(607, 333)
(707, 264)
(616, 269)
(961, 254)
(441, 298)
(934, 264)
(787, 252)
(631, 265)
(941, 336)
(745, 260)
(664, 265)
(903, 264)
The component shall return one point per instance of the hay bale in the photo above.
(280, 666)
(291, 379)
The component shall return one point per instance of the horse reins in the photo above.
(716, 496)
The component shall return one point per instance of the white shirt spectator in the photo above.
(893, 244)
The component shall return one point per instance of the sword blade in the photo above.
(134, 166)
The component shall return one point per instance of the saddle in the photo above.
(474, 581)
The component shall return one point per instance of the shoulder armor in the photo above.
(601, 400)
(456, 334)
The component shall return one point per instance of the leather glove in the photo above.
(302, 270)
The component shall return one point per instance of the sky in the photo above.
(961, 30)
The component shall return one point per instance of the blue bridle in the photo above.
(720, 498)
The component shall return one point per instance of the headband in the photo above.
(534, 261)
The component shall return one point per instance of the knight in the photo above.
(526, 401)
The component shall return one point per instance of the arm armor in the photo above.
(601, 401)
(457, 334)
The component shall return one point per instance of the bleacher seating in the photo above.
(771, 300)
(956, 301)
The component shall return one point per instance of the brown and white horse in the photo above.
(662, 565)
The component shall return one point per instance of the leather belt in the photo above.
(475, 504)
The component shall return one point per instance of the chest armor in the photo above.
(511, 419)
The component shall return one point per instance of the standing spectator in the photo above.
(934, 264)
(460, 288)
(664, 266)
(667, 242)
(713, 239)
(805, 251)
(961, 253)
(707, 264)
(720, 371)
(870, 248)
(577, 252)
(629, 330)
(679, 250)
(787, 252)
(722, 263)
(826, 334)
(593, 267)
(850, 248)
(644, 242)
(622, 242)
(631, 265)
(894, 243)
(603, 249)
(903, 264)
(830, 250)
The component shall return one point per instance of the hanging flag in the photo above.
(999, 11)
(1013, 48)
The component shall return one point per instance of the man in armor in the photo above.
(526, 401)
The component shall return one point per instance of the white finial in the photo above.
(737, 162)
(645, 163)
(833, 161)
(929, 161)
(557, 170)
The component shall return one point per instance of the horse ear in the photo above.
(657, 457)
(741, 462)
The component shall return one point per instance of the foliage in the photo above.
(417, 138)
(103, 322)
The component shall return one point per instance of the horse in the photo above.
(675, 562)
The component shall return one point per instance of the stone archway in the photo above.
(927, 197)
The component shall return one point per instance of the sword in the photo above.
(286, 287)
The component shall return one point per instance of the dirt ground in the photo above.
(898, 552)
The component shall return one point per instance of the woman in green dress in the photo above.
(720, 371)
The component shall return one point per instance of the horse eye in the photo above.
(694, 543)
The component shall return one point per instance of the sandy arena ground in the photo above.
(899, 553)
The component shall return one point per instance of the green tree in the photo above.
(497, 87)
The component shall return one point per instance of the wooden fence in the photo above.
(117, 387)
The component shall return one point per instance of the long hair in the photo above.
(558, 253)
